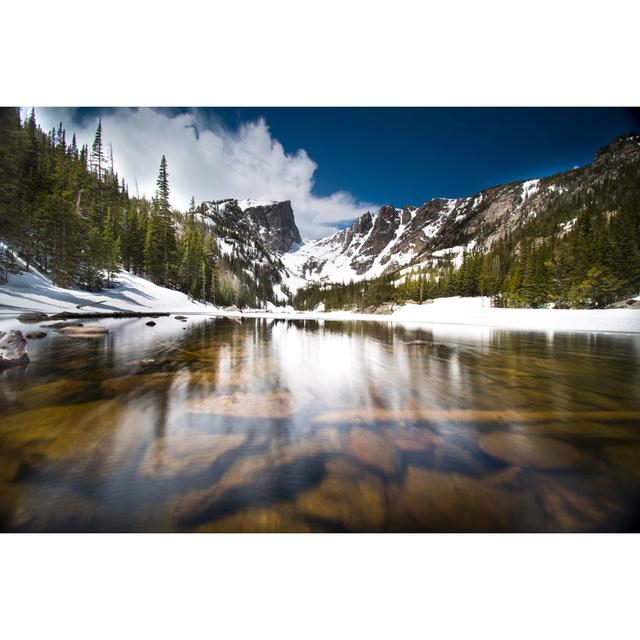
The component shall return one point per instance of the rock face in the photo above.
(385, 308)
(269, 226)
(13, 349)
(625, 304)
(277, 224)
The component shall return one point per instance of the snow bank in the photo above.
(478, 312)
(32, 291)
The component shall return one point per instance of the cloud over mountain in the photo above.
(210, 161)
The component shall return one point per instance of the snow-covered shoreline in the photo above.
(32, 291)
(454, 311)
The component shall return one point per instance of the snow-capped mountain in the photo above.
(394, 238)
(263, 241)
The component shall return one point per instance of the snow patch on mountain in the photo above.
(249, 203)
(529, 188)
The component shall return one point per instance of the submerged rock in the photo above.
(54, 392)
(13, 349)
(625, 458)
(272, 519)
(188, 456)
(373, 450)
(9, 468)
(580, 503)
(48, 509)
(69, 437)
(414, 439)
(32, 317)
(348, 496)
(35, 335)
(159, 381)
(451, 502)
(431, 347)
(524, 450)
(87, 331)
(247, 405)
(577, 429)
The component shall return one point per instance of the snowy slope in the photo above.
(33, 291)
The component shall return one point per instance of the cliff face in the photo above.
(270, 223)
(276, 224)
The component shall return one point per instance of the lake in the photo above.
(218, 425)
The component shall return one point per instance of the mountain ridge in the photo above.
(382, 243)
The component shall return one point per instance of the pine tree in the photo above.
(97, 151)
(162, 192)
(160, 243)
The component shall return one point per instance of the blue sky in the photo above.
(334, 163)
(406, 155)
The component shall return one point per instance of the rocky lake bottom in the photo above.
(266, 425)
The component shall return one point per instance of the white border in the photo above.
(338, 52)
(319, 586)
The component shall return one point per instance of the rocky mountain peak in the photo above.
(622, 149)
(384, 229)
(272, 222)
(277, 224)
(363, 224)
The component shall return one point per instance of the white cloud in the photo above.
(216, 164)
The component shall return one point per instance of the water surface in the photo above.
(273, 425)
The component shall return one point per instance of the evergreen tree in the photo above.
(97, 151)
(160, 240)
